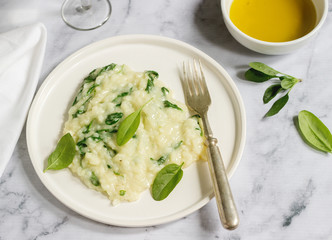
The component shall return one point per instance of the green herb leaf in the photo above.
(129, 126)
(256, 76)
(288, 82)
(166, 180)
(152, 75)
(87, 128)
(271, 92)
(315, 132)
(164, 91)
(122, 192)
(178, 145)
(277, 106)
(91, 89)
(168, 104)
(263, 68)
(118, 98)
(113, 118)
(94, 179)
(198, 123)
(63, 154)
(161, 160)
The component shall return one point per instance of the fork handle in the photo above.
(224, 197)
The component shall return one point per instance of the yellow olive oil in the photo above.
(274, 20)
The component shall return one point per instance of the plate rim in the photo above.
(132, 38)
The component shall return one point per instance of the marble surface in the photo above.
(282, 187)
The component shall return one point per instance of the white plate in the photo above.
(141, 52)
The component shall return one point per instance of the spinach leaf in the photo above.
(129, 126)
(112, 152)
(152, 75)
(168, 104)
(118, 99)
(271, 92)
(256, 76)
(113, 118)
(277, 106)
(82, 109)
(87, 128)
(263, 68)
(288, 82)
(166, 180)
(112, 130)
(199, 128)
(94, 179)
(178, 145)
(161, 160)
(164, 91)
(315, 132)
(63, 154)
(91, 89)
(81, 146)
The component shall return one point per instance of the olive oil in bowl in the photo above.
(274, 20)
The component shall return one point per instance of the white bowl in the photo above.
(273, 48)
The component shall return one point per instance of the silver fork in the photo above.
(198, 98)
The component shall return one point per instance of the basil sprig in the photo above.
(129, 126)
(166, 180)
(315, 133)
(259, 72)
(63, 154)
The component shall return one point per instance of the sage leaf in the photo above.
(315, 132)
(263, 68)
(271, 92)
(129, 126)
(63, 154)
(288, 82)
(277, 106)
(166, 180)
(256, 76)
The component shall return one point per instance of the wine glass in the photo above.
(86, 14)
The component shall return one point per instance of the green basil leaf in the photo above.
(271, 92)
(315, 132)
(63, 154)
(113, 118)
(277, 106)
(129, 126)
(166, 180)
(263, 68)
(94, 179)
(288, 82)
(168, 104)
(256, 76)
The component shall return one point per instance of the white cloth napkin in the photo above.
(21, 57)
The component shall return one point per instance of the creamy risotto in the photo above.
(166, 134)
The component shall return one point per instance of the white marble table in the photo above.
(282, 187)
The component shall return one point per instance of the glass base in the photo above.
(86, 15)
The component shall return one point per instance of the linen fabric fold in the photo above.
(21, 57)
